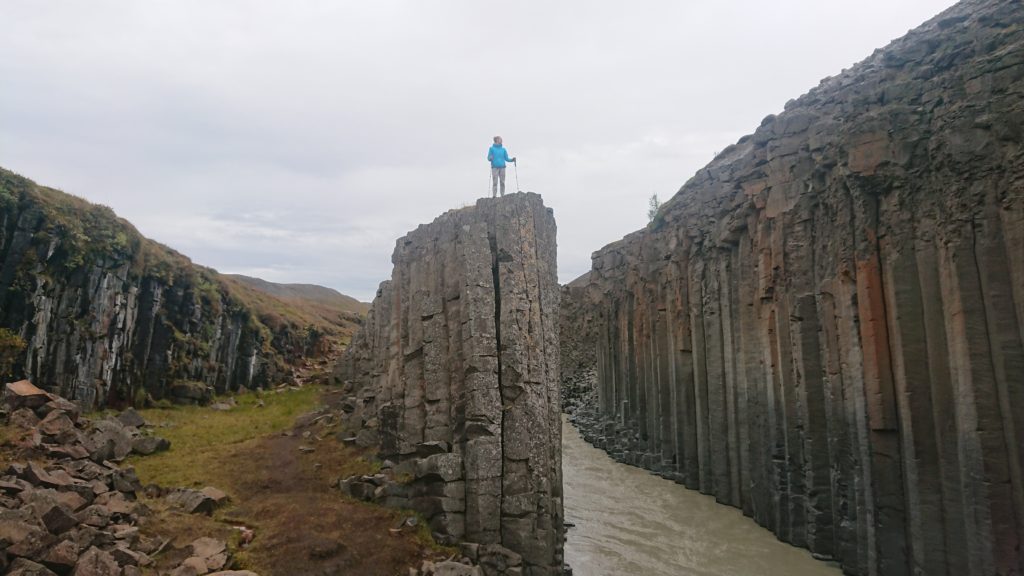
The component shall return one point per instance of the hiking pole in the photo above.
(516, 165)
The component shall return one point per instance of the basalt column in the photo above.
(824, 326)
(457, 371)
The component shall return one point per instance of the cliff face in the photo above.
(108, 315)
(824, 326)
(456, 369)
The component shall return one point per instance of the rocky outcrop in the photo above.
(455, 377)
(109, 316)
(66, 507)
(578, 365)
(824, 326)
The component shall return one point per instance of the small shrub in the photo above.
(653, 205)
(11, 347)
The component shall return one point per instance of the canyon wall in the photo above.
(109, 317)
(456, 374)
(824, 326)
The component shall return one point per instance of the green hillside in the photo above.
(106, 312)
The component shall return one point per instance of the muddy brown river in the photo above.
(631, 523)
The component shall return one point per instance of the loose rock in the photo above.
(96, 562)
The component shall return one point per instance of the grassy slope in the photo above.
(335, 318)
(91, 232)
(311, 293)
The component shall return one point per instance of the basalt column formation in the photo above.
(456, 373)
(108, 317)
(824, 326)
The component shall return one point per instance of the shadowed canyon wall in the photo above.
(456, 370)
(823, 327)
(108, 316)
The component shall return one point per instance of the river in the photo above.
(629, 522)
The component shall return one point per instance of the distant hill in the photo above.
(581, 281)
(310, 292)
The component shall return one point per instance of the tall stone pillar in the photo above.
(457, 368)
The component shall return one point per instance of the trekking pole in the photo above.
(516, 165)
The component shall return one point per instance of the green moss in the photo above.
(11, 347)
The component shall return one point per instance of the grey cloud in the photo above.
(300, 140)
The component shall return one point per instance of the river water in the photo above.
(629, 522)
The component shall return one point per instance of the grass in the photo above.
(276, 485)
(8, 436)
(201, 438)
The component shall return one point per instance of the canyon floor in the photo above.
(278, 458)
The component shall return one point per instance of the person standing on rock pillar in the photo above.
(498, 156)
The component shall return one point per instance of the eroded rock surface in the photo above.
(824, 326)
(456, 372)
(109, 317)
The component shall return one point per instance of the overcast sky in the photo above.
(295, 141)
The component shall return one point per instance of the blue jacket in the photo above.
(498, 156)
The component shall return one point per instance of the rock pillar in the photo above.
(457, 370)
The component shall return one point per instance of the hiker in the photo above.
(498, 156)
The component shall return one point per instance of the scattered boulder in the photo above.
(24, 418)
(96, 516)
(67, 452)
(57, 424)
(33, 545)
(190, 392)
(26, 567)
(207, 547)
(23, 394)
(14, 530)
(58, 520)
(131, 418)
(212, 552)
(367, 437)
(58, 403)
(96, 562)
(359, 490)
(62, 557)
(37, 475)
(147, 445)
(192, 501)
(456, 569)
(191, 565)
(110, 440)
(127, 557)
(218, 496)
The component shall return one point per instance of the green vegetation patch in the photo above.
(202, 438)
(11, 347)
